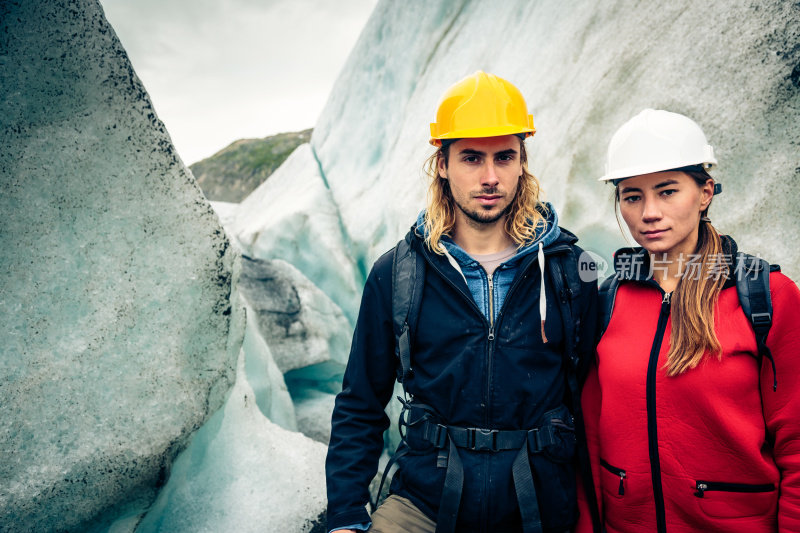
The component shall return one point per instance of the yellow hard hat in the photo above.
(481, 105)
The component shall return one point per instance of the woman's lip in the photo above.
(654, 233)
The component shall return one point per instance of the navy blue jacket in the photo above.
(508, 383)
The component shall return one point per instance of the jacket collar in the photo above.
(549, 233)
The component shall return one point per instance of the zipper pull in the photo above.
(491, 333)
(701, 489)
(621, 484)
(667, 298)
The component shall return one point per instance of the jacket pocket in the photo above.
(617, 472)
(554, 469)
(703, 486)
(730, 500)
(560, 424)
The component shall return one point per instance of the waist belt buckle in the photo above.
(483, 439)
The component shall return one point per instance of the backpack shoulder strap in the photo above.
(563, 269)
(408, 278)
(752, 286)
(607, 294)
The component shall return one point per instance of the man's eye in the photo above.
(668, 192)
(471, 159)
(631, 199)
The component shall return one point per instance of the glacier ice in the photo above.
(314, 410)
(306, 333)
(303, 326)
(122, 316)
(226, 212)
(119, 335)
(364, 127)
(242, 473)
(292, 217)
(266, 379)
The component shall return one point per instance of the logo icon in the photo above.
(591, 266)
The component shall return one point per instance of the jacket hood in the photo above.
(547, 232)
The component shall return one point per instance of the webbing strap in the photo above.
(607, 294)
(490, 440)
(389, 465)
(526, 492)
(761, 318)
(404, 353)
(452, 438)
(408, 279)
(451, 493)
(410, 424)
(752, 284)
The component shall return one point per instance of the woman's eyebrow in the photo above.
(666, 183)
(657, 186)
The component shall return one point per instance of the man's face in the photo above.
(483, 174)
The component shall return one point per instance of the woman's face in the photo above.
(662, 210)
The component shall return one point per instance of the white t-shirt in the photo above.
(490, 262)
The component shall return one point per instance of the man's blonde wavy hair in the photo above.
(527, 212)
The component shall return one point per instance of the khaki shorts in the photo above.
(398, 515)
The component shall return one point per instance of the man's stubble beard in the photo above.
(481, 218)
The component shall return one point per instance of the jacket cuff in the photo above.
(347, 518)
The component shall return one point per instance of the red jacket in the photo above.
(693, 448)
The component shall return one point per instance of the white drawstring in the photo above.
(453, 262)
(542, 297)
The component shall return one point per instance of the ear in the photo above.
(441, 167)
(706, 194)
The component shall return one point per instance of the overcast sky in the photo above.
(222, 70)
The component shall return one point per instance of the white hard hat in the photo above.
(656, 140)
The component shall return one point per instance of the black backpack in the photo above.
(408, 280)
(752, 286)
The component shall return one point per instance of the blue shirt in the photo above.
(490, 298)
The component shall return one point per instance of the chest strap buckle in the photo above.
(480, 439)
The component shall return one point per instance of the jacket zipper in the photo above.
(515, 283)
(490, 348)
(491, 306)
(617, 472)
(703, 486)
(652, 427)
(491, 326)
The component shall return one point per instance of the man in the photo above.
(486, 345)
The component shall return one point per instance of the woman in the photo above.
(690, 426)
